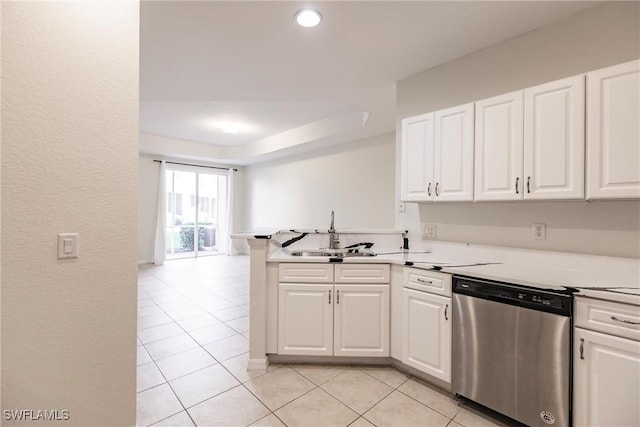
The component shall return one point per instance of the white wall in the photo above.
(356, 180)
(69, 164)
(592, 39)
(147, 201)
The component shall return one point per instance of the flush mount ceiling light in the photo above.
(308, 18)
(228, 124)
(230, 127)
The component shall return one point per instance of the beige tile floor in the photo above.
(192, 354)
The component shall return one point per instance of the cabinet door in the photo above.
(605, 380)
(613, 132)
(554, 140)
(305, 319)
(417, 158)
(362, 320)
(454, 154)
(498, 148)
(426, 333)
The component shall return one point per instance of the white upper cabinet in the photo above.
(613, 132)
(499, 147)
(417, 158)
(453, 171)
(437, 156)
(554, 140)
(530, 144)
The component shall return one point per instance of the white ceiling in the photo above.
(297, 88)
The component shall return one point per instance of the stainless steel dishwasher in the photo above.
(512, 349)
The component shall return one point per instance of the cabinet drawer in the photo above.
(362, 273)
(305, 273)
(428, 281)
(609, 317)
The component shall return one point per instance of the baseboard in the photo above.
(258, 365)
(329, 360)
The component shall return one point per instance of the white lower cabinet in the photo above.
(361, 316)
(426, 333)
(305, 319)
(606, 373)
(606, 363)
(335, 319)
(426, 322)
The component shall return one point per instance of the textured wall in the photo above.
(69, 164)
(604, 35)
(356, 180)
(0, 208)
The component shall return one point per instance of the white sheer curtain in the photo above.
(225, 223)
(230, 249)
(161, 217)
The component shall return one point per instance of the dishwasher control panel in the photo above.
(523, 296)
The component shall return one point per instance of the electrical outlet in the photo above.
(402, 208)
(540, 231)
(429, 231)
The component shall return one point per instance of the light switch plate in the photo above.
(68, 245)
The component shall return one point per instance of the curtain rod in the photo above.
(199, 166)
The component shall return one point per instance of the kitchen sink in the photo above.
(336, 253)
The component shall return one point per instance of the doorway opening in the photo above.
(197, 208)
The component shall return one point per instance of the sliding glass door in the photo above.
(196, 212)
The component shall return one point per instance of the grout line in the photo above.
(196, 287)
(167, 382)
(427, 406)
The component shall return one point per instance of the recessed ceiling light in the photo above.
(308, 18)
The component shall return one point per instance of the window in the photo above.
(192, 228)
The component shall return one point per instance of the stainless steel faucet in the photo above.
(334, 238)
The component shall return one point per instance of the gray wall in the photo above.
(356, 180)
(595, 38)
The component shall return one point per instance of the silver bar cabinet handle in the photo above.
(628, 322)
(437, 188)
(424, 281)
(338, 297)
(446, 307)
(517, 179)
(429, 189)
(329, 297)
(528, 184)
(582, 348)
